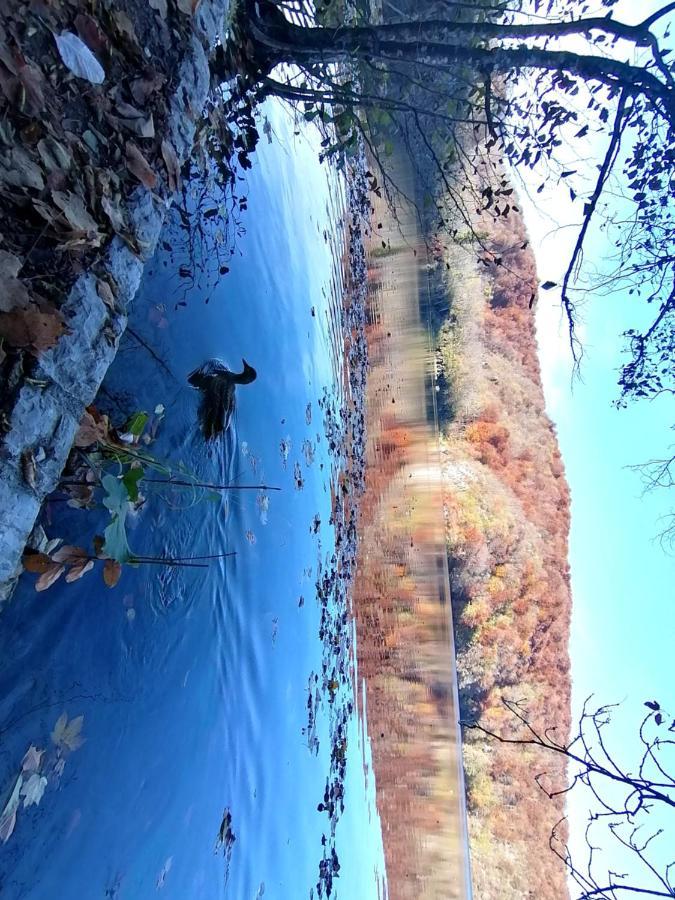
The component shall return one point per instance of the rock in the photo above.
(48, 409)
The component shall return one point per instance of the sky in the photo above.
(623, 620)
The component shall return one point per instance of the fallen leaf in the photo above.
(79, 569)
(67, 734)
(73, 207)
(32, 329)
(69, 554)
(111, 207)
(78, 58)
(104, 291)
(7, 824)
(21, 171)
(172, 165)
(89, 31)
(14, 293)
(32, 759)
(138, 165)
(33, 83)
(143, 88)
(49, 577)
(134, 120)
(112, 571)
(33, 790)
(36, 562)
(187, 7)
(54, 155)
(125, 26)
(29, 468)
(160, 6)
(92, 430)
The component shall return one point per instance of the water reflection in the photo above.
(401, 601)
(209, 746)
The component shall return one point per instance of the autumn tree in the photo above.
(522, 78)
(626, 778)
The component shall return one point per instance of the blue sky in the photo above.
(624, 616)
(623, 622)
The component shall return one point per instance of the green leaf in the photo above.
(130, 481)
(136, 424)
(116, 502)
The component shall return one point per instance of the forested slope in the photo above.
(507, 522)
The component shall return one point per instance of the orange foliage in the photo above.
(507, 544)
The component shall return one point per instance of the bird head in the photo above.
(249, 374)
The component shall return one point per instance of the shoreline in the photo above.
(48, 407)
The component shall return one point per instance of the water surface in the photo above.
(224, 690)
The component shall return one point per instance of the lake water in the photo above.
(220, 695)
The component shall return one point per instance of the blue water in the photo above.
(193, 682)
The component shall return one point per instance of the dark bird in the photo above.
(217, 386)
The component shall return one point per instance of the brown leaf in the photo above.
(143, 88)
(91, 430)
(138, 165)
(111, 572)
(70, 554)
(33, 83)
(172, 165)
(49, 576)
(36, 562)
(91, 34)
(32, 329)
(29, 468)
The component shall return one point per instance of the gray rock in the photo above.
(49, 407)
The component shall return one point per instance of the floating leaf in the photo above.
(130, 480)
(68, 734)
(7, 825)
(79, 569)
(136, 424)
(32, 759)
(69, 554)
(36, 562)
(8, 815)
(49, 577)
(78, 57)
(112, 571)
(33, 790)
(116, 500)
(547, 285)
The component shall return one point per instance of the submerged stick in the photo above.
(214, 487)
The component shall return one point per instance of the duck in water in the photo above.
(217, 386)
